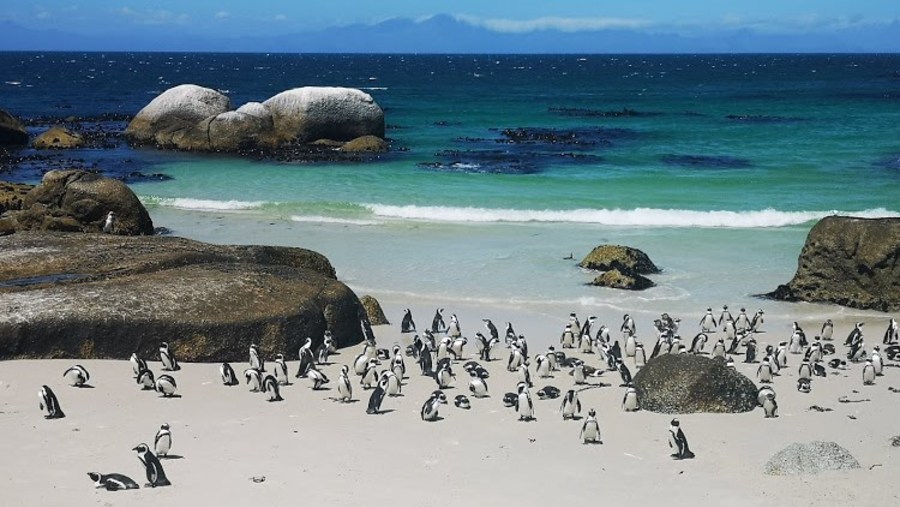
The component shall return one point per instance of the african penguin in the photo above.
(50, 403)
(112, 482)
(590, 430)
(429, 410)
(254, 379)
(770, 406)
(166, 386)
(77, 376)
(524, 405)
(227, 374)
(155, 474)
(345, 389)
(571, 405)
(678, 441)
(630, 400)
(407, 325)
(375, 399)
(462, 402)
(146, 380)
(270, 388)
(168, 358)
(162, 443)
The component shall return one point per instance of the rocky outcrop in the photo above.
(12, 132)
(189, 117)
(623, 258)
(810, 458)
(12, 195)
(373, 310)
(58, 138)
(615, 279)
(104, 296)
(848, 261)
(687, 383)
(78, 201)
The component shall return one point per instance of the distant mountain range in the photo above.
(446, 34)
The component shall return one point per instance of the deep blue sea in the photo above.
(715, 165)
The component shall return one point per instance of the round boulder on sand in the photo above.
(810, 458)
(615, 279)
(312, 112)
(686, 383)
(623, 258)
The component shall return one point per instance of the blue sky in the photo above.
(267, 17)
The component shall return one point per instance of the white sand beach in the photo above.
(310, 449)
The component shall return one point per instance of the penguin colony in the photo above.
(442, 350)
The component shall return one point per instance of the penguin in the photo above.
(762, 393)
(146, 380)
(155, 474)
(429, 410)
(756, 321)
(318, 378)
(425, 362)
(764, 372)
(477, 385)
(579, 374)
(770, 406)
(516, 359)
(281, 370)
(324, 349)
(730, 330)
(640, 357)
(814, 353)
(567, 338)
(254, 379)
(509, 399)
(877, 361)
(627, 325)
(781, 355)
(407, 325)
(255, 362)
(827, 331)
(165, 385)
(571, 405)
(719, 349)
(586, 344)
(708, 322)
(868, 373)
(109, 225)
(590, 430)
(805, 370)
(361, 363)
(524, 405)
(137, 364)
(112, 482)
(462, 402)
(306, 358)
(444, 376)
(370, 376)
(630, 400)
(392, 386)
(50, 403)
(630, 346)
(698, 343)
(678, 441)
(494, 333)
(524, 375)
(453, 330)
(542, 366)
(77, 376)
(227, 374)
(803, 385)
(625, 373)
(168, 358)
(857, 351)
(456, 347)
(819, 370)
(162, 443)
(437, 323)
(855, 335)
(795, 342)
(270, 388)
(345, 389)
(890, 334)
(375, 399)
(548, 393)
(838, 364)
(742, 323)
(725, 316)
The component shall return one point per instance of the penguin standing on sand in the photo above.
(255, 362)
(756, 321)
(437, 323)
(146, 380)
(855, 335)
(168, 358)
(567, 338)
(228, 376)
(254, 379)
(827, 331)
(50, 403)
(742, 323)
(318, 378)
(805, 370)
(524, 405)
(137, 364)
(306, 358)
(281, 370)
(590, 430)
(678, 441)
(166, 386)
(725, 316)
(630, 400)
(77, 376)
(407, 325)
(477, 385)
(571, 405)
(868, 373)
(708, 322)
(890, 334)
(640, 356)
(155, 474)
(627, 325)
(270, 387)
(625, 373)
(453, 330)
(770, 406)
(764, 372)
(750, 352)
(542, 366)
(877, 361)
(376, 398)
(345, 389)
(109, 225)
(429, 410)
(162, 443)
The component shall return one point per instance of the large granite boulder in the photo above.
(623, 258)
(373, 310)
(104, 296)
(166, 118)
(58, 138)
(688, 383)
(365, 144)
(810, 458)
(314, 112)
(12, 195)
(12, 132)
(615, 279)
(849, 261)
(78, 201)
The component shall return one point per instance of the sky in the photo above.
(266, 18)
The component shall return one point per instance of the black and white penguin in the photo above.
(805, 370)
(762, 393)
(524, 405)
(524, 374)
(317, 377)
(804, 385)
(345, 388)
(77, 376)
(827, 331)
(324, 349)
(625, 373)
(50, 403)
(868, 373)
(678, 441)
(757, 321)
(429, 410)
(586, 344)
(477, 385)
(462, 402)
(281, 370)
(548, 393)
(254, 380)
(567, 338)
(109, 225)
(579, 374)
(857, 351)
(166, 386)
(375, 399)
(112, 482)
(708, 322)
(255, 362)
(168, 358)
(877, 361)
(630, 400)
(444, 376)
(509, 399)
(628, 327)
(719, 349)
(227, 374)
(730, 330)
(770, 406)
(855, 335)
(590, 430)
(137, 364)
(742, 323)
(407, 325)
(392, 385)
(571, 405)
(750, 351)
(307, 360)
(162, 443)
(456, 347)
(630, 346)
(640, 356)
(271, 389)
(819, 369)
(725, 316)
(454, 330)
(370, 376)
(764, 372)
(890, 334)
(437, 323)
(155, 474)
(426, 362)
(146, 380)
(516, 359)
(698, 343)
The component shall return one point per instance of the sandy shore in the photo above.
(313, 450)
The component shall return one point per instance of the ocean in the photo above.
(501, 166)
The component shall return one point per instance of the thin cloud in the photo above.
(154, 17)
(280, 17)
(222, 15)
(560, 24)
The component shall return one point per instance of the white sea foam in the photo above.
(332, 220)
(639, 217)
(187, 203)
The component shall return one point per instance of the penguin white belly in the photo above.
(478, 388)
(590, 432)
(630, 404)
(163, 444)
